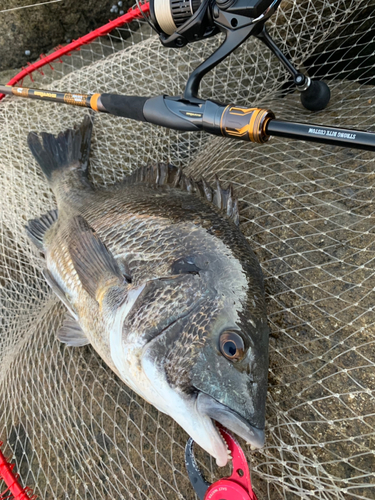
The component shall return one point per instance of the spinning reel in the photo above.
(179, 22)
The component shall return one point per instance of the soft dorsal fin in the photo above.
(71, 333)
(36, 228)
(95, 265)
(162, 174)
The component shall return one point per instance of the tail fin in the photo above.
(69, 147)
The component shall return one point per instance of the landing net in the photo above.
(74, 429)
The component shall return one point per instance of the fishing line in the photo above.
(28, 6)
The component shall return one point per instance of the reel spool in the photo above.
(179, 22)
(169, 15)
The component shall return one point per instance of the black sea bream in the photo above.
(157, 277)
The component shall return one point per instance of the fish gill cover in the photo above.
(74, 428)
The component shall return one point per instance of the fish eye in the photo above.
(232, 346)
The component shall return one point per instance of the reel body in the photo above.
(179, 22)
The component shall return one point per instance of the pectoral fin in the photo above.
(96, 267)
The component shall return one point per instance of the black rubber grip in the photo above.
(124, 105)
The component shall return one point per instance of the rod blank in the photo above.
(325, 135)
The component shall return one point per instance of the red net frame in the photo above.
(131, 15)
(11, 479)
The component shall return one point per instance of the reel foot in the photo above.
(316, 96)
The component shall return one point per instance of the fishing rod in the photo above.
(237, 122)
(180, 22)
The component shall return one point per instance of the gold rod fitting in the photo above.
(247, 124)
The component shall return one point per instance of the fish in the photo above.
(156, 275)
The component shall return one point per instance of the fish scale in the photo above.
(157, 276)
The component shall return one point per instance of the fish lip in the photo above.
(230, 419)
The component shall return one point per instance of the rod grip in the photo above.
(123, 105)
(247, 124)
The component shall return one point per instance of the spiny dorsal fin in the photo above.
(36, 228)
(71, 333)
(163, 174)
(95, 265)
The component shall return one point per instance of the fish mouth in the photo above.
(210, 407)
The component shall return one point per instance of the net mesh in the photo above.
(76, 431)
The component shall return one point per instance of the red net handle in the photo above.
(131, 15)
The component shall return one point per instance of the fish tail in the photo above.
(67, 149)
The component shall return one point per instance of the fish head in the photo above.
(230, 376)
(212, 365)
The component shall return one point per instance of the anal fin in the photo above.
(71, 333)
(36, 228)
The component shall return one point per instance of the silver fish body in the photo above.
(163, 285)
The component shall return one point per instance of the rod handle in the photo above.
(122, 105)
